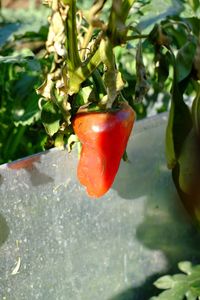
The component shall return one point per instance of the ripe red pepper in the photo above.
(104, 137)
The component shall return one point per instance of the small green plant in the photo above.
(183, 286)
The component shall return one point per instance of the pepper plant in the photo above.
(82, 48)
(96, 54)
(83, 71)
(98, 64)
(84, 77)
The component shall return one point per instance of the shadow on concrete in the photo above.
(4, 230)
(30, 165)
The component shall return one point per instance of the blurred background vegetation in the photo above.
(23, 32)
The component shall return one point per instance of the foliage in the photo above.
(24, 64)
(180, 286)
(19, 109)
(22, 38)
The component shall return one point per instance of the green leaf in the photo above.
(50, 116)
(188, 162)
(194, 4)
(179, 125)
(164, 282)
(163, 69)
(196, 111)
(186, 177)
(185, 266)
(189, 9)
(83, 95)
(169, 140)
(59, 141)
(16, 59)
(25, 108)
(180, 286)
(7, 31)
(179, 121)
(190, 296)
(194, 23)
(156, 11)
(184, 59)
(26, 117)
(24, 86)
(24, 58)
(19, 23)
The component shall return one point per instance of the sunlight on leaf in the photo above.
(180, 286)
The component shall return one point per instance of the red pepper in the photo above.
(104, 137)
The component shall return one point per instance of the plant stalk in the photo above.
(71, 44)
(126, 6)
(116, 25)
(138, 36)
(83, 72)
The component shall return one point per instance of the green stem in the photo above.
(112, 23)
(126, 6)
(83, 72)
(91, 65)
(72, 46)
(116, 25)
(99, 82)
(77, 72)
(135, 37)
